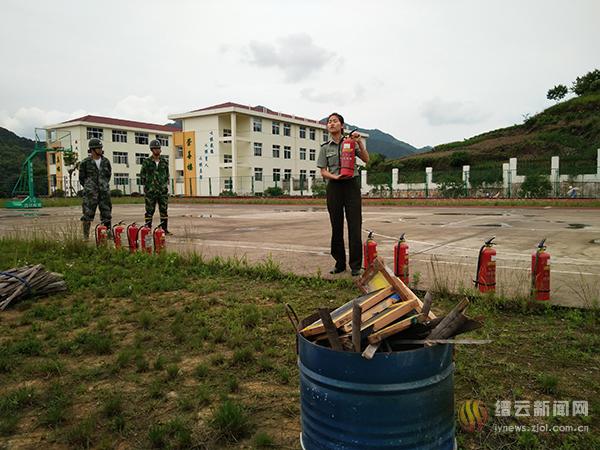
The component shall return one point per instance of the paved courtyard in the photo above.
(444, 242)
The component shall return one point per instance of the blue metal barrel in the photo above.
(399, 400)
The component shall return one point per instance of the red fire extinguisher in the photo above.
(540, 273)
(145, 238)
(159, 239)
(370, 250)
(485, 278)
(119, 235)
(401, 260)
(101, 233)
(132, 237)
(348, 156)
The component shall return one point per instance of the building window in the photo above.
(257, 149)
(257, 124)
(226, 132)
(302, 132)
(227, 159)
(52, 158)
(313, 174)
(138, 179)
(140, 157)
(325, 136)
(302, 153)
(120, 158)
(163, 139)
(141, 138)
(166, 157)
(179, 176)
(121, 179)
(312, 154)
(276, 149)
(287, 174)
(178, 152)
(275, 128)
(52, 181)
(287, 152)
(287, 129)
(95, 133)
(258, 173)
(303, 174)
(276, 174)
(119, 136)
(228, 184)
(311, 134)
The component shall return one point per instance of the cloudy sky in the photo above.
(426, 71)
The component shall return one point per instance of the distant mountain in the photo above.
(569, 129)
(385, 144)
(13, 151)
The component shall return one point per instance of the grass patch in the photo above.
(121, 358)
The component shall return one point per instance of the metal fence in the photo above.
(409, 185)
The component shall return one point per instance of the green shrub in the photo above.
(116, 193)
(535, 186)
(274, 191)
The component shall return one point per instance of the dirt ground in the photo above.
(444, 242)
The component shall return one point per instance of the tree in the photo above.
(587, 84)
(71, 160)
(557, 93)
(459, 159)
(535, 186)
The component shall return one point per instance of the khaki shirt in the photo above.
(329, 158)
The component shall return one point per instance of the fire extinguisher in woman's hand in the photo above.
(348, 155)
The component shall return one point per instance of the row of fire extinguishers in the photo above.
(485, 275)
(136, 237)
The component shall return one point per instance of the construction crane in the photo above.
(25, 184)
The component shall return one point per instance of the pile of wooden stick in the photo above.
(389, 314)
(18, 283)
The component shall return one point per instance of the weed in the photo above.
(55, 406)
(283, 375)
(200, 371)
(172, 371)
(15, 401)
(233, 385)
(159, 363)
(8, 425)
(146, 320)
(30, 345)
(81, 434)
(262, 440)
(547, 383)
(94, 343)
(203, 395)
(113, 405)
(250, 316)
(242, 356)
(230, 421)
(174, 434)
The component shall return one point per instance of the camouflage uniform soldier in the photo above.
(155, 178)
(94, 178)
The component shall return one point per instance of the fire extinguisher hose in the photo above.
(476, 280)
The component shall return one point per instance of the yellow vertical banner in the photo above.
(59, 171)
(189, 163)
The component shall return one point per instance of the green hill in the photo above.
(13, 151)
(570, 130)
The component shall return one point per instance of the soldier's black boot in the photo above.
(86, 230)
(165, 226)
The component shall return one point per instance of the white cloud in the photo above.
(296, 55)
(143, 109)
(452, 112)
(23, 121)
(340, 98)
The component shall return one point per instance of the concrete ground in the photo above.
(444, 242)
